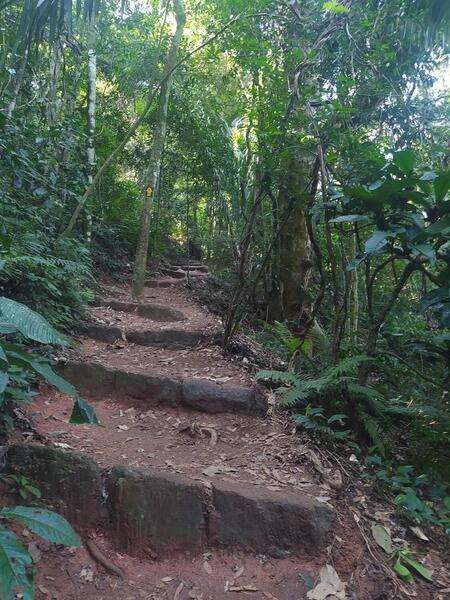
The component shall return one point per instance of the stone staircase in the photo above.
(186, 458)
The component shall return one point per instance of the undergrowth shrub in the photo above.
(337, 388)
(112, 252)
(54, 278)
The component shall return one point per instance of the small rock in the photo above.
(35, 553)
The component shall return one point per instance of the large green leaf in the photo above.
(349, 219)
(425, 250)
(435, 297)
(83, 412)
(46, 523)
(425, 573)
(29, 361)
(401, 570)
(4, 378)
(404, 160)
(382, 536)
(3, 357)
(377, 241)
(29, 323)
(440, 227)
(53, 378)
(441, 186)
(7, 328)
(14, 561)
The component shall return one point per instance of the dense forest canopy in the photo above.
(301, 149)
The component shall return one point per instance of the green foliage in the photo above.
(53, 279)
(18, 317)
(302, 389)
(21, 485)
(277, 338)
(419, 499)
(404, 564)
(315, 421)
(336, 386)
(16, 364)
(15, 567)
(335, 7)
(83, 412)
(45, 523)
(323, 202)
(407, 206)
(16, 572)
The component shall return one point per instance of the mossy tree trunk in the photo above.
(293, 266)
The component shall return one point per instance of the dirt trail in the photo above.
(259, 514)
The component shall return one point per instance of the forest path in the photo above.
(187, 467)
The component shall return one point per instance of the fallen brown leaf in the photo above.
(178, 591)
(207, 567)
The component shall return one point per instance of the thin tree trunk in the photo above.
(17, 85)
(55, 69)
(92, 98)
(355, 294)
(135, 126)
(376, 324)
(150, 180)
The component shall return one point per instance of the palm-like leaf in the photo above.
(49, 18)
(29, 323)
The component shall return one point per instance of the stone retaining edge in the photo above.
(150, 310)
(198, 394)
(165, 338)
(164, 512)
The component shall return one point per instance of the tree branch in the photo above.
(138, 122)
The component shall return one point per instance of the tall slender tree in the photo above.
(151, 176)
(91, 111)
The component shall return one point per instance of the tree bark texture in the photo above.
(150, 179)
(92, 102)
(289, 297)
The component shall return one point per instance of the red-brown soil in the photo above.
(263, 452)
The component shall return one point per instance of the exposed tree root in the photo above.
(103, 560)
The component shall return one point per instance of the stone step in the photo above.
(156, 389)
(174, 272)
(162, 282)
(153, 311)
(166, 512)
(160, 338)
(193, 267)
(184, 261)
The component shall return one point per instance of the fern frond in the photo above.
(292, 396)
(374, 431)
(345, 366)
(277, 376)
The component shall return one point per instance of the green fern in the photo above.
(313, 419)
(292, 396)
(338, 384)
(374, 431)
(347, 365)
(276, 376)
